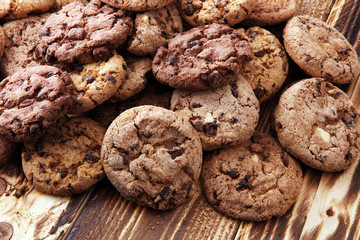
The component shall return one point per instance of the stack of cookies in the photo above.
(160, 95)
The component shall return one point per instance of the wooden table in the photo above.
(328, 207)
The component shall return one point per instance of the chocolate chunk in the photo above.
(348, 120)
(198, 126)
(278, 125)
(146, 134)
(35, 129)
(234, 90)
(172, 59)
(63, 172)
(176, 153)
(243, 184)
(27, 156)
(234, 173)
(259, 92)
(215, 79)
(233, 120)
(110, 78)
(49, 74)
(165, 192)
(194, 43)
(45, 33)
(41, 168)
(196, 105)
(260, 53)
(91, 156)
(308, 58)
(190, 9)
(348, 156)
(89, 79)
(210, 128)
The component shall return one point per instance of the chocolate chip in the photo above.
(278, 125)
(27, 156)
(172, 59)
(35, 129)
(71, 189)
(234, 88)
(190, 9)
(210, 129)
(44, 33)
(308, 58)
(110, 78)
(16, 122)
(146, 134)
(323, 159)
(198, 125)
(243, 184)
(253, 34)
(256, 138)
(41, 168)
(63, 173)
(165, 192)
(247, 176)
(348, 120)
(203, 76)
(234, 173)
(260, 53)
(196, 105)
(176, 153)
(194, 43)
(336, 95)
(89, 79)
(233, 120)
(259, 92)
(348, 156)
(91, 156)
(215, 79)
(3, 186)
(49, 74)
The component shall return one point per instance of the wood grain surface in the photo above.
(327, 208)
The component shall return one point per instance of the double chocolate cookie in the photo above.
(152, 156)
(201, 58)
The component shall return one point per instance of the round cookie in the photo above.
(320, 50)
(223, 116)
(67, 161)
(153, 29)
(6, 150)
(33, 100)
(201, 58)
(97, 82)
(202, 12)
(153, 157)
(82, 34)
(253, 181)
(267, 71)
(270, 12)
(61, 3)
(318, 124)
(22, 37)
(135, 80)
(16, 9)
(2, 42)
(138, 5)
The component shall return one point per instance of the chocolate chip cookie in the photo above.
(201, 58)
(97, 82)
(21, 37)
(318, 124)
(222, 116)
(6, 150)
(153, 29)
(320, 50)
(82, 34)
(267, 71)
(152, 156)
(202, 12)
(270, 12)
(67, 161)
(138, 5)
(253, 181)
(16, 9)
(33, 100)
(61, 3)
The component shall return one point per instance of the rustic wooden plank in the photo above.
(316, 8)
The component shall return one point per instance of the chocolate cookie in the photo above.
(6, 150)
(270, 12)
(21, 37)
(320, 50)
(2, 42)
(33, 100)
(318, 124)
(135, 80)
(222, 116)
(138, 5)
(152, 156)
(201, 58)
(153, 29)
(97, 82)
(267, 71)
(202, 12)
(15, 9)
(82, 34)
(67, 161)
(253, 181)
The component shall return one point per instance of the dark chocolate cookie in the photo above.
(82, 33)
(203, 57)
(33, 100)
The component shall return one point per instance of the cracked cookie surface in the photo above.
(267, 71)
(202, 12)
(253, 181)
(33, 100)
(152, 156)
(222, 116)
(138, 5)
(16, 9)
(202, 58)
(82, 34)
(67, 161)
(320, 50)
(318, 124)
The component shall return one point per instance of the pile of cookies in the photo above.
(159, 95)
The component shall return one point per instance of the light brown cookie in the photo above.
(253, 181)
(21, 39)
(61, 3)
(135, 79)
(223, 116)
(6, 150)
(318, 124)
(202, 12)
(16, 9)
(97, 82)
(153, 157)
(268, 69)
(67, 161)
(270, 12)
(138, 5)
(320, 50)
(153, 29)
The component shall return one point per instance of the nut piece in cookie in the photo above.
(202, 58)
(16, 9)
(318, 124)
(82, 34)
(67, 161)
(254, 181)
(153, 157)
(320, 50)
(33, 100)
(202, 12)
(153, 29)
(223, 116)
